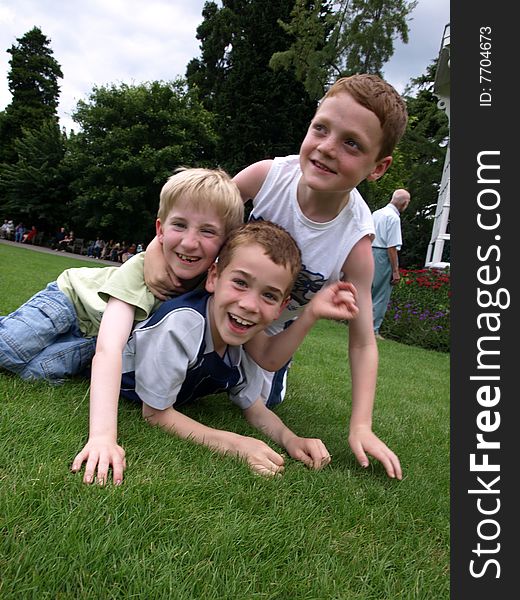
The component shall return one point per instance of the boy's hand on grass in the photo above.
(363, 441)
(310, 451)
(337, 301)
(100, 455)
(259, 456)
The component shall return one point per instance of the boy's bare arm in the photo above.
(261, 458)
(336, 301)
(102, 450)
(311, 451)
(250, 179)
(363, 358)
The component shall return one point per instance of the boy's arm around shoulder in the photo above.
(363, 358)
(250, 179)
(102, 449)
(158, 276)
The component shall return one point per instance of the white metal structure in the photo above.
(442, 214)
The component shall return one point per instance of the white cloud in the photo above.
(99, 42)
(6, 15)
(426, 27)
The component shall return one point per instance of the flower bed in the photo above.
(419, 309)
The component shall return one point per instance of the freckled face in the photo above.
(191, 239)
(341, 146)
(248, 295)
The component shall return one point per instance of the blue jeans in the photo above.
(42, 339)
(381, 286)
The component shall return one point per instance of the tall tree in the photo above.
(424, 148)
(132, 138)
(259, 113)
(33, 83)
(417, 165)
(311, 25)
(35, 188)
(333, 39)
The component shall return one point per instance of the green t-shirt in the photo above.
(89, 289)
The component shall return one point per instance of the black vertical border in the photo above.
(474, 129)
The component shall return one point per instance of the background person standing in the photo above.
(386, 244)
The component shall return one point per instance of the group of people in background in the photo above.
(20, 233)
(7, 230)
(113, 251)
(64, 241)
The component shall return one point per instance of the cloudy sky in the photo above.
(99, 42)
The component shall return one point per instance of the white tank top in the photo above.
(324, 246)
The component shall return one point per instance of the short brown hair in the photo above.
(382, 99)
(205, 188)
(277, 243)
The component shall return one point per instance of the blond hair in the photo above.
(382, 99)
(277, 243)
(204, 189)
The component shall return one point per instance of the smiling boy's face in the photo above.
(342, 145)
(248, 295)
(191, 239)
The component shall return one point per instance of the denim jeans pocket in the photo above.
(67, 357)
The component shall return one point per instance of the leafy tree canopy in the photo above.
(34, 189)
(418, 162)
(334, 39)
(424, 150)
(132, 139)
(259, 113)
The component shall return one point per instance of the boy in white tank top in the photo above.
(313, 195)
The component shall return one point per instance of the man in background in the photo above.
(385, 246)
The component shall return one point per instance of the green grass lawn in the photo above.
(190, 524)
